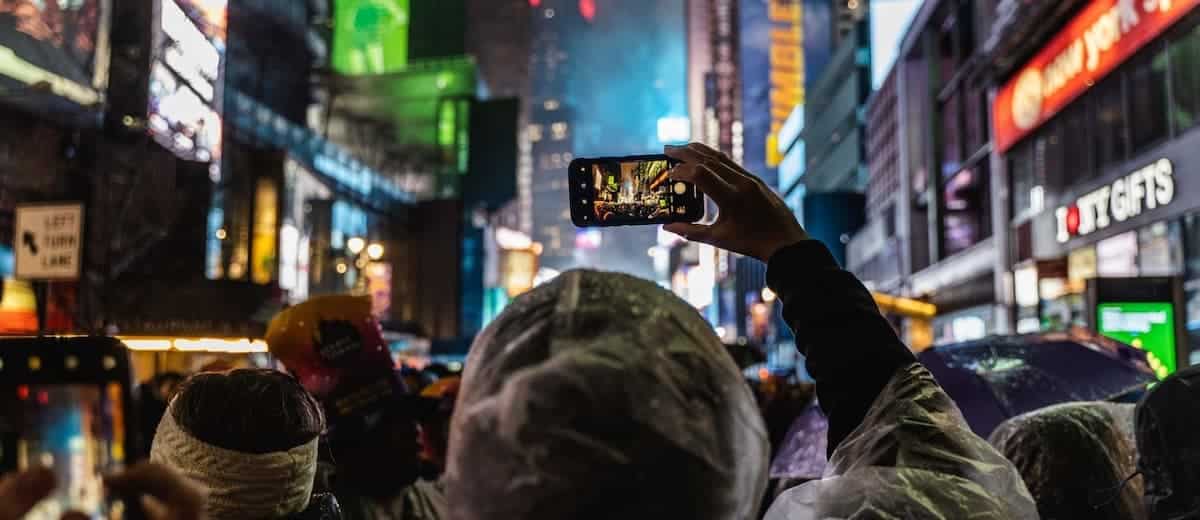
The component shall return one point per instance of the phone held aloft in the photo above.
(630, 191)
(65, 404)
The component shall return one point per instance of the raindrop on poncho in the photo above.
(599, 395)
(913, 456)
(1075, 459)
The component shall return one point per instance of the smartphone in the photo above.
(631, 191)
(65, 404)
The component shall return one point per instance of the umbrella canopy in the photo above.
(802, 455)
(1000, 377)
(997, 378)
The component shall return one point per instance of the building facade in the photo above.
(1099, 144)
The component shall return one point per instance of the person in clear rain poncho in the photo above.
(600, 396)
(1076, 459)
(899, 446)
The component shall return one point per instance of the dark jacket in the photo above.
(829, 309)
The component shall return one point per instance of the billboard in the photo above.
(1149, 326)
(51, 45)
(1103, 35)
(370, 36)
(186, 74)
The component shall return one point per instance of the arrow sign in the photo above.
(51, 241)
(28, 240)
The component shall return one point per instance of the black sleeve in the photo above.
(851, 350)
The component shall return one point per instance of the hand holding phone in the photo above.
(65, 406)
(169, 494)
(751, 219)
(630, 191)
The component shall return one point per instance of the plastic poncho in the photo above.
(1168, 419)
(913, 456)
(599, 395)
(1075, 458)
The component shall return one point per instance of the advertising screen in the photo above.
(185, 78)
(1149, 326)
(50, 43)
(370, 36)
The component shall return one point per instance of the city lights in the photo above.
(375, 251)
(355, 245)
(674, 130)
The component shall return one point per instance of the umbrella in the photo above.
(802, 455)
(994, 379)
(1000, 377)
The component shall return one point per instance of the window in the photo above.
(952, 156)
(968, 209)
(1048, 157)
(1021, 171)
(1185, 79)
(1147, 89)
(1108, 124)
(1160, 249)
(558, 131)
(1076, 135)
(948, 55)
(975, 114)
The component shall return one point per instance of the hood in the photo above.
(600, 395)
(1075, 459)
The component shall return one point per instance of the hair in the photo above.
(248, 410)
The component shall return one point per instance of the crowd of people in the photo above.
(602, 396)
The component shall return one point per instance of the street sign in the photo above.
(47, 241)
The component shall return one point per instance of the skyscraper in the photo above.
(549, 131)
(604, 76)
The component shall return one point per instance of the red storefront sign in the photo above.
(1103, 35)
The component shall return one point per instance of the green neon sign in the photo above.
(1149, 326)
(370, 36)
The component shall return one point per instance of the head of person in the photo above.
(249, 436)
(1167, 422)
(167, 383)
(597, 396)
(335, 348)
(1075, 459)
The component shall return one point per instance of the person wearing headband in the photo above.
(249, 438)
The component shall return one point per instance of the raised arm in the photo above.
(851, 350)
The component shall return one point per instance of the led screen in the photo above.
(1149, 326)
(50, 44)
(370, 36)
(185, 77)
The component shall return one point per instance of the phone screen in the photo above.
(631, 191)
(76, 430)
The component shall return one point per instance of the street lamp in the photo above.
(375, 251)
(356, 245)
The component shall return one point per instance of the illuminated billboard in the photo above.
(51, 45)
(186, 77)
(370, 36)
(1149, 326)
